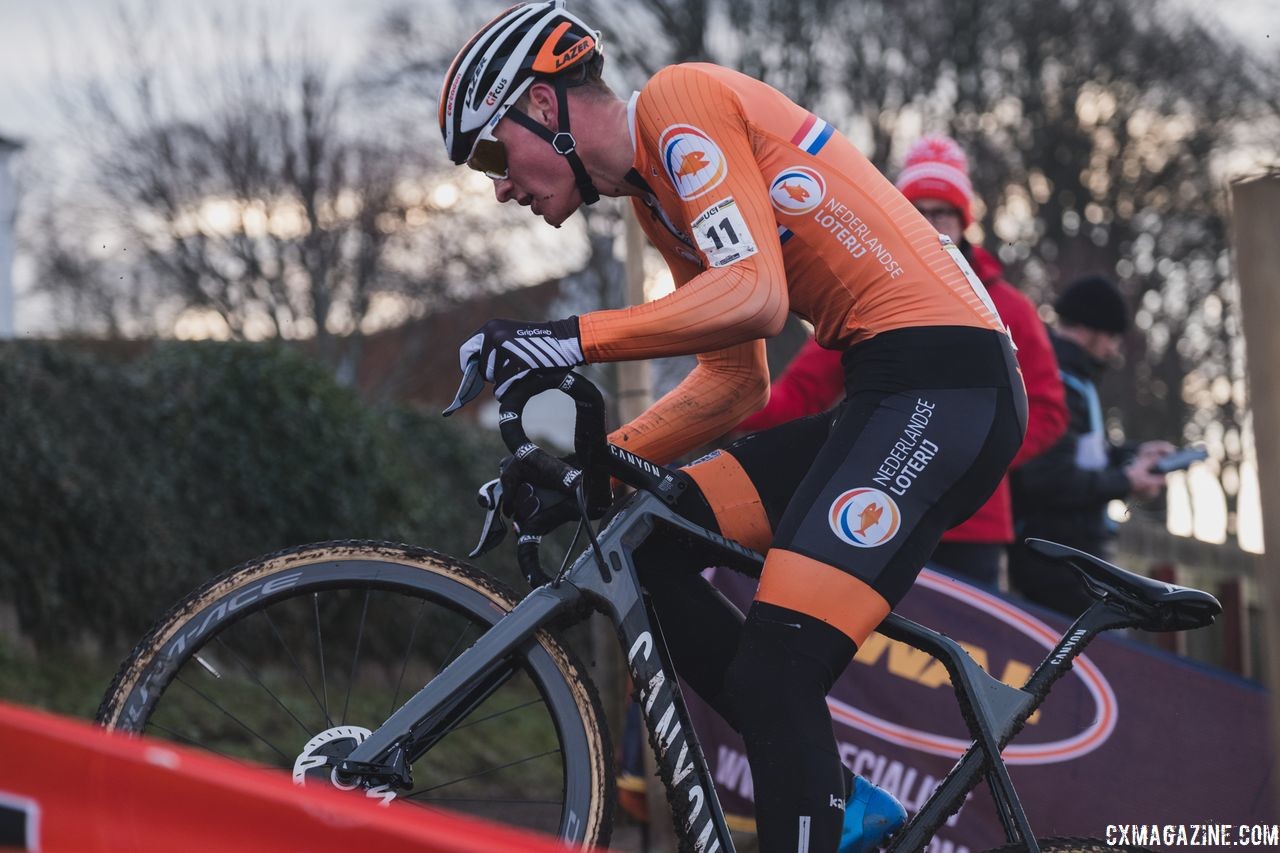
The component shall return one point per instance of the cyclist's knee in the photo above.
(784, 668)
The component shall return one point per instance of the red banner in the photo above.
(69, 786)
(1132, 736)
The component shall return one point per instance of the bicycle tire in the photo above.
(1071, 845)
(195, 638)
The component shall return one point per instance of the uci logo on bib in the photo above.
(865, 517)
(797, 190)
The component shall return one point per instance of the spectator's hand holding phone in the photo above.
(1144, 483)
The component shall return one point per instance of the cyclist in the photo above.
(758, 207)
(935, 178)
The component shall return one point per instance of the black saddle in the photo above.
(1157, 606)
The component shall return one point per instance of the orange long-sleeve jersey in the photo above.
(760, 207)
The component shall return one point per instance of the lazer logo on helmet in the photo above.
(865, 517)
(549, 62)
(583, 45)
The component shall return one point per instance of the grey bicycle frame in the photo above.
(993, 711)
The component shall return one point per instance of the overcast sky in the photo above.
(41, 39)
(35, 37)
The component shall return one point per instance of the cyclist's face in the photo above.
(537, 177)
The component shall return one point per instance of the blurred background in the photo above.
(235, 265)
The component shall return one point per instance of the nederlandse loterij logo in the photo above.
(693, 162)
(865, 517)
(797, 190)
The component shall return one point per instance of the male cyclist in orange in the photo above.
(758, 207)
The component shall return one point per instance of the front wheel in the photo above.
(1071, 845)
(260, 663)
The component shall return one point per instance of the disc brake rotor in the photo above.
(318, 762)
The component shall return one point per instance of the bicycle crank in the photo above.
(321, 757)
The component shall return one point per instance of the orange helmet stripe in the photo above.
(550, 62)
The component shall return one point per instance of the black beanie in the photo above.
(1095, 303)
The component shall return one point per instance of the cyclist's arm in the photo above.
(813, 382)
(723, 387)
(742, 294)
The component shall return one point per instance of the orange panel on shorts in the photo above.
(824, 592)
(734, 499)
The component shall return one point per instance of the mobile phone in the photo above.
(1179, 460)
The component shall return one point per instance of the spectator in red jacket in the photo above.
(935, 178)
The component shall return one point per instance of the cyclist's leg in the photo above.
(830, 580)
(702, 628)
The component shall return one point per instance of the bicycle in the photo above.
(550, 766)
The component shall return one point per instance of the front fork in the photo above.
(384, 758)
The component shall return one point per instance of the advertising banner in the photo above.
(1133, 737)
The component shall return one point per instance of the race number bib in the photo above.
(722, 234)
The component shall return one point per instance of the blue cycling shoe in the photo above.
(871, 814)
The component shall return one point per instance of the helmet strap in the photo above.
(562, 141)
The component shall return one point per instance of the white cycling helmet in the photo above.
(528, 42)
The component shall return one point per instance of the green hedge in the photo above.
(123, 485)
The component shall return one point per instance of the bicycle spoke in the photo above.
(188, 741)
(301, 673)
(324, 681)
(448, 656)
(482, 773)
(408, 650)
(256, 680)
(232, 717)
(355, 657)
(537, 701)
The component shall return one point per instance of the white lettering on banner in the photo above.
(733, 773)
(855, 236)
(908, 784)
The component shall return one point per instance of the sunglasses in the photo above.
(488, 155)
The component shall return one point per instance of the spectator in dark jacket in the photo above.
(935, 178)
(1062, 495)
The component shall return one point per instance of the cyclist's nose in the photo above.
(504, 189)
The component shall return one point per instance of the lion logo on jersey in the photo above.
(865, 518)
(693, 162)
(797, 190)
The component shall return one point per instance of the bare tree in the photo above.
(253, 196)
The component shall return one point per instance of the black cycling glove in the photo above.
(508, 349)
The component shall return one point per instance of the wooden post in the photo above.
(1255, 204)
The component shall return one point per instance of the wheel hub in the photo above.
(318, 762)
